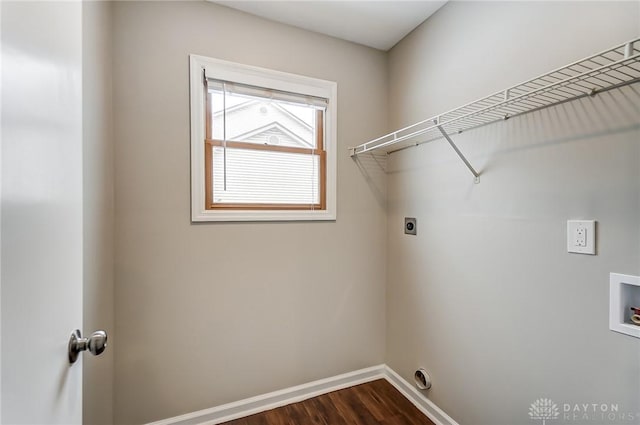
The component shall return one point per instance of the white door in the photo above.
(41, 211)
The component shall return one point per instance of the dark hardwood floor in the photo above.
(374, 403)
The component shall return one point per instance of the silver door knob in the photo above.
(95, 344)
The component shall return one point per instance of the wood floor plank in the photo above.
(397, 403)
(292, 414)
(360, 411)
(274, 418)
(241, 421)
(324, 413)
(373, 403)
(380, 408)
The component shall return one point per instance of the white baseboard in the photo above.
(411, 393)
(272, 400)
(264, 402)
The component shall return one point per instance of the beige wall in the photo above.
(486, 297)
(98, 215)
(213, 313)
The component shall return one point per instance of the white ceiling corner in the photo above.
(377, 24)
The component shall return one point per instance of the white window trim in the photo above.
(261, 77)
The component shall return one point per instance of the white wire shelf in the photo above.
(612, 68)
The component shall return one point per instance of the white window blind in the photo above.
(252, 91)
(265, 177)
(267, 147)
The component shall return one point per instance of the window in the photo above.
(263, 144)
(263, 149)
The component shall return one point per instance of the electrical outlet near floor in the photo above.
(581, 236)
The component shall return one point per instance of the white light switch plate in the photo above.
(581, 236)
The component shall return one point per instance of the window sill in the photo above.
(272, 215)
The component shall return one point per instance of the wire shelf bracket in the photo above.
(613, 68)
(455, 148)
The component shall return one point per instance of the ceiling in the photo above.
(377, 24)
